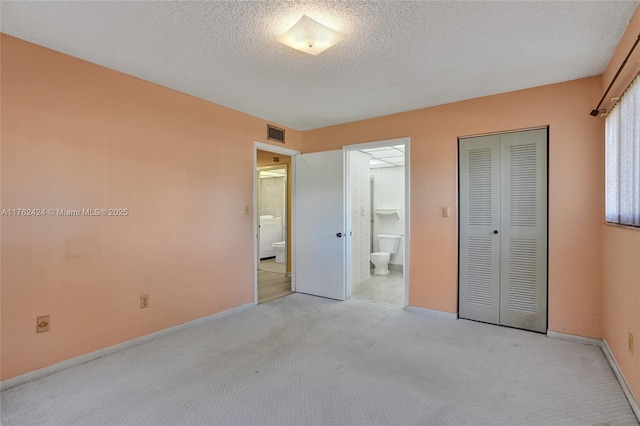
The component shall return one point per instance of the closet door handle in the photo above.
(339, 234)
(495, 231)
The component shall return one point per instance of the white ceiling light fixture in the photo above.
(310, 36)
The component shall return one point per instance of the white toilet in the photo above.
(387, 245)
(279, 248)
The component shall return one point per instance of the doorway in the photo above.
(324, 228)
(274, 278)
(377, 203)
(503, 229)
(320, 226)
(272, 222)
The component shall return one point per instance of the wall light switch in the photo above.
(446, 212)
(247, 209)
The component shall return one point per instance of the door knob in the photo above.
(495, 231)
(339, 234)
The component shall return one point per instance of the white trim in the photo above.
(346, 224)
(294, 216)
(430, 312)
(290, 175)
(377, 144)
(273, 148)
(623, 383)
(573, 338)
(406, 257)
(82, 359)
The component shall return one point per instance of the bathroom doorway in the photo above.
(273, 212)
(377, 217)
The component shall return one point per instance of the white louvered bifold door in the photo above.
(503, 229)
(523, 281)
(479, 218)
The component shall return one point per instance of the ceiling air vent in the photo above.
(275, 133)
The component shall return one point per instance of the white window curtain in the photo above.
(623, 159)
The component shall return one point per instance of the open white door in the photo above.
(319, 224)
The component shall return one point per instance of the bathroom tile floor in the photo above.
(387, 289)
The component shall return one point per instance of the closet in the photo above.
(503, 229)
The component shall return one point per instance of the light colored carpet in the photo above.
(303, 360)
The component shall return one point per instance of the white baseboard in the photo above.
(623, 382)
(602, 344)
(50, 369)
(573, 338)
(425, 311)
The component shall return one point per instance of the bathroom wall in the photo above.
(388, 193)
(360, 219)
(271, 202)
(272, 197)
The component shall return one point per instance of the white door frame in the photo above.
(407, 210)
(261, 146)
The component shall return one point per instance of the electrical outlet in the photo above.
(631, 343)
(144, 301)
(42, 324)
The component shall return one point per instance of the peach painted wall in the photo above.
(631, 69)
(76, 135)
(576, 190)
(621, 299)
(621, 250)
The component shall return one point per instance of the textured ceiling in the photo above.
(397, 56)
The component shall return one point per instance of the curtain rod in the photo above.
(595, 111)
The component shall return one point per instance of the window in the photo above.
(623, 159)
